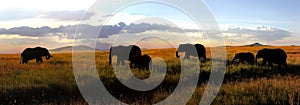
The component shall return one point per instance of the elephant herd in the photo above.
(270, 56)
(133, 54)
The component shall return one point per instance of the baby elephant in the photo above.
(142, 61)
(243, 57)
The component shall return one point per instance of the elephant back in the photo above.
(279, 53)
(28, 53)
(134, 50)
(201, 50)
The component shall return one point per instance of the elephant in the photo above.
(34, 53)
(142, 61)
(276, 56)
(124, 53)
(192, 50)
(243, 57)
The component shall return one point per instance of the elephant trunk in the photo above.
(48, 56)
(233, 60)
(204, 56)
(177, 54)
(109, 57)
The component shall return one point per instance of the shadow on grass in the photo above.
(253, 72)
(52, 94)
(62, 94)
(130, 96)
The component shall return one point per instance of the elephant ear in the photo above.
(266, 51)
(186, 47)
(263, 53)
(236, 55)
(180, 48)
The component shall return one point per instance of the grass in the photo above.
(53, 81)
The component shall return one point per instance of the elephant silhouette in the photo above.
(276, 56)
(142, 61)
(34, 53)
(124, 53)
(192, 50)
(244, 57)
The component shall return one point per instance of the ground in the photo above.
(53, 81)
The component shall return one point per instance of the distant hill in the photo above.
(256, 44)
(80, 48)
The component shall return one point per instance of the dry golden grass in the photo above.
(53, 82)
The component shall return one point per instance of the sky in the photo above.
(103, 23)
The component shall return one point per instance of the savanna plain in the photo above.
(53, 81)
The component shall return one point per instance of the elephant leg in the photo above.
(133, 64)
(147, 67)
(270, 64)
(279, 66)
(118, 61)
(252, 62)
(236, 62)
(264, 62)
(39, 59)
(242, 61)
(139, 67)
(186, 56)
(25, 61)
(286, 66)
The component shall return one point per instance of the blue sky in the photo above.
(277, 13)
(241, 22)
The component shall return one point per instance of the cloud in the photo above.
(120, 33)
(108, 33)
(85, 31)
(28, 31)
(261, 34)
(68, 15)
(143, 27)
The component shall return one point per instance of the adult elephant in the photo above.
(142, 61)
(34, 53)
(124, 53)
(192, 50)
(243, 57)
(276, 56)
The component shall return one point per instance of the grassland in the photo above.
(53, 82)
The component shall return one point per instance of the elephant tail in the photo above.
(177, 54)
